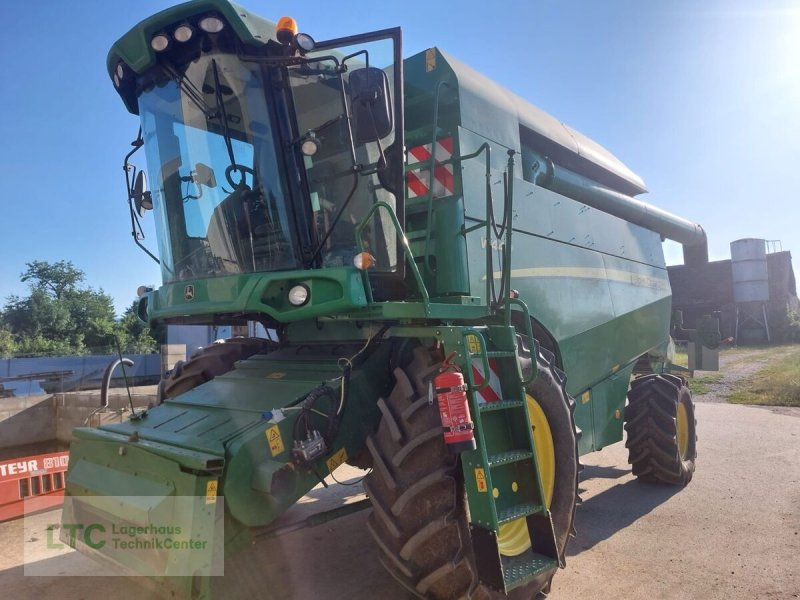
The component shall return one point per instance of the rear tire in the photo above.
(419, 518)
(208, 363)
(661, 428)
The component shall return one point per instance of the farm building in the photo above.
(755, 291)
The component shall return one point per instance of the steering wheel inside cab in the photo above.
(242, 177)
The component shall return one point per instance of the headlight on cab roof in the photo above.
(211, 24)
(160, 42)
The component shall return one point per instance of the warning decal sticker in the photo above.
(211, 492)
(336, 460)
(480, 480)
(274, 439)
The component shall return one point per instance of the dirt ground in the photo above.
(733, 533)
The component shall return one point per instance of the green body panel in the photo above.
(332, 290)
(114, 483)
(224, 422)
(601, 393)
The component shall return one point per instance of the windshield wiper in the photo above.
(221, 112)
(191, 91)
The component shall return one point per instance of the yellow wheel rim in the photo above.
(683, 430)
(513, 537)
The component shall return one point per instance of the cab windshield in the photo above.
(255, 164)
(219, 199)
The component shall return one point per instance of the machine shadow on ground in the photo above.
(601, 516)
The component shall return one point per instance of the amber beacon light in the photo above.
(286, 30)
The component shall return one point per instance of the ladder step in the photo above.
(501, 353)
(517, 511)
(504, 458)
(519, 570)
(501, 405)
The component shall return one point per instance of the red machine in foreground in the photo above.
(32, 482)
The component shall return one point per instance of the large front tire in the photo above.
(661, 429)
(419, 517)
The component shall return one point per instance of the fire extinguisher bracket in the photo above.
(451, 396)
(457, 388)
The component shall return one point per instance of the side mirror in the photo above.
(140, 194)
(370, 104)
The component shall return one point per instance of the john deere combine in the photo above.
(463, 290)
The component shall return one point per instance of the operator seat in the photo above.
(226, 229)
(245, 237)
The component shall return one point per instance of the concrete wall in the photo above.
(72, 409)
(55, 374)
(27, 420)
(33, 419)
(170, 354)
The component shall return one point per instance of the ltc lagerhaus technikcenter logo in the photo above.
(172, 536)
(123, 537)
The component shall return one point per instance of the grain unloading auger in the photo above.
(363, 207)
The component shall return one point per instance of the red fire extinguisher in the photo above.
(451, 394)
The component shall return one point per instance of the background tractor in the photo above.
(462, 289)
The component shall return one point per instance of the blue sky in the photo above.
(701, 99)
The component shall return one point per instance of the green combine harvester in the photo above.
(463, 293)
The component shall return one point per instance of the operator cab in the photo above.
(266, 151)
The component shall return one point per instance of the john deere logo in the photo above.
(188, 292)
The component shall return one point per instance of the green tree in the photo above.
(61, 317)
(8, 346)
(55, 278)
(138, 336)
(39, 316)
(92, 315)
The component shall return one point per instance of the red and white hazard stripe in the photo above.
(419, 179)
(492, 392)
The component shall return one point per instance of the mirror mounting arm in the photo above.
(131, 173)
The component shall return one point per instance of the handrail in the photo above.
(406, 249)
(508, 209)
(484, 147)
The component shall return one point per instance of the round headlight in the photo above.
(212, 24)
(183, 33)
(116, 80)
(298, 295)
(305, 42)
(160, 42)
(120, 71)
(310, 145)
